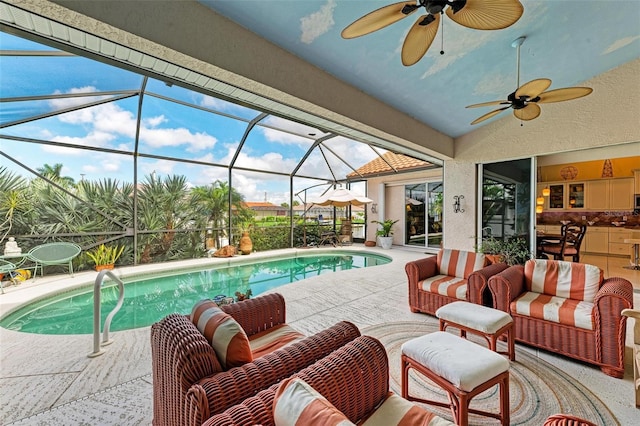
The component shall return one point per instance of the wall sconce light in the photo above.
(546, 191)
(374, 208)
(540, 201)
(539, 209)
(456, 203)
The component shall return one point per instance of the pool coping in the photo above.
(36, 289)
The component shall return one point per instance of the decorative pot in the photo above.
(385, 242)
(370, 243)
(246, 245)
(101, 267)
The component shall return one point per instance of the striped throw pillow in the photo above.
(571, 280)
(458, 263)
(296, 403)
(228, 339)
(397, 411)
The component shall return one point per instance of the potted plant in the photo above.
(104, 257)
(385, 233)
(512, 251)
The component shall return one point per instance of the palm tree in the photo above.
(13, 201)
(54, 173)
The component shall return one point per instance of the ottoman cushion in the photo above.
(476, 317)
(463, 363)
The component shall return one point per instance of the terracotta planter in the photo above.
(101, 267)
(246, 245)
(494, 258)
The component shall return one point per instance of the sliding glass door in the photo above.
(506, 208)
(423, 214)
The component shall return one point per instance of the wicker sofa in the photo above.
(189, 383)
(354, 379)
(449, 276)
(567, 308)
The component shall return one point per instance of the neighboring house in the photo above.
(265, 209)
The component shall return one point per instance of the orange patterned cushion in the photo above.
(458, 263)
(296, 403)
(445, 286)
(228, 339)
(569, 280)
(560, 310)
(397, 411)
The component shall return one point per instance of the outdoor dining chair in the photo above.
(60, 253)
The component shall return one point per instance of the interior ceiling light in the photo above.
(546, 191)
(475, 14)
(526, 98)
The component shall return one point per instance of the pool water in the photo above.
(148, 300)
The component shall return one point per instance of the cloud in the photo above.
(318, 23)
(108, 121)
(164, 167)
(619, 44)
(493, 84)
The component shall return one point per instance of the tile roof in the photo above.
(399, 162)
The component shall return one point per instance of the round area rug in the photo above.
(537, 389)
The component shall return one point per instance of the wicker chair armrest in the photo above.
(354, 378)
(259, 314)
(215, 394)
(615, 295)
(420, 269)
(506, 286)
(478, 281)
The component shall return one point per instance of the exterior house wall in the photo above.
(394, 200)
(606, 118)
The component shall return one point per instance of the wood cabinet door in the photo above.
(597, 194)
(621, 194)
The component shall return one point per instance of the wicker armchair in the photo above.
(354, 378)
(189, 384)
(472, 283)
(567, 308)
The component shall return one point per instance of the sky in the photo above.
(199, 128)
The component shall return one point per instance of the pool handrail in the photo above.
(97, 286)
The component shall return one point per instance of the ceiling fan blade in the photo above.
(533, 88)
(487, 14)
(379, 19)
(489, 115)
(419, 39)
(566, 94)
(527, 113)
(489, 104)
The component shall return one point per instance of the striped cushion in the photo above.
(228, 339)
(298, 404)
(446, 286)
(555, 309)
(396, 410)
(273, 339)
(458, 263)
(569, 280)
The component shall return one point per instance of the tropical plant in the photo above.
(105, 255)
(386, 225)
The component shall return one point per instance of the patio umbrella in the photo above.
(341, 197)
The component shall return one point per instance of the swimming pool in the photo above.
(149, 299)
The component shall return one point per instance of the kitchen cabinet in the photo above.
(616, 241)
(596, 240)
(621, 194)
(575, 193)
(636, 178)
(556, 197)
(597, 194)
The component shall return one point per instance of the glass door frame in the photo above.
(430, 227)
(533, 177)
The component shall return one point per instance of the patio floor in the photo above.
(49, 380)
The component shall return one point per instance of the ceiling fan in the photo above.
(526, 98)
(476, 14)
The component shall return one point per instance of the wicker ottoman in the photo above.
(487, 322)
(461, 368)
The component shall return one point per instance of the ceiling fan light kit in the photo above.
(525, 99)
(475, 14)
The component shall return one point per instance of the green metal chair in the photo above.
(53, 254)
(6, 268)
